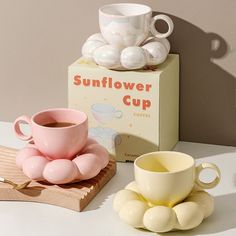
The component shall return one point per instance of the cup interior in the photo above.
(125, 9)
(59, 116)
(164, 162)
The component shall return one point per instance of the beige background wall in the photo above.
(39, 39)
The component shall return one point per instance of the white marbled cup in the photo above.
(129, 24)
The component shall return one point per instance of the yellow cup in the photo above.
(166, 178)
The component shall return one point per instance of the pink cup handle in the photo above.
(17, 129)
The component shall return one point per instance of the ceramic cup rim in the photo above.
(84, 120)
(101, 9)
(184, 155)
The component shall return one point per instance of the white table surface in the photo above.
(98, 218)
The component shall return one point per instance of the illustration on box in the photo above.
(104, 114)
(129, 39)
(58, 149)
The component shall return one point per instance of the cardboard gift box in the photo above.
(130, 112)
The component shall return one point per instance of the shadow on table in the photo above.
(118, 182)
(200, 150)
(234, 180)
(223, 218)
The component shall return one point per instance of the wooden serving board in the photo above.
(73, 196)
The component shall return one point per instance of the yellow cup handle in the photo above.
(203, 166)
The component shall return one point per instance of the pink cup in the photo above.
(56, 143)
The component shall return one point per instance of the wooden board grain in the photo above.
(73, 196)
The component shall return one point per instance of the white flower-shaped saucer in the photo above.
(134, 210)
(151, 52)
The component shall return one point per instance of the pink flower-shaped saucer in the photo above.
(86, 165)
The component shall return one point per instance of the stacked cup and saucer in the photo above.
(167, 193)
(129, 39)
(58, 149)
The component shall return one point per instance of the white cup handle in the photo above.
(203, 166)
(118, 114)
(169, 22)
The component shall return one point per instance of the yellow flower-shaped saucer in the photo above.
(134, 210)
